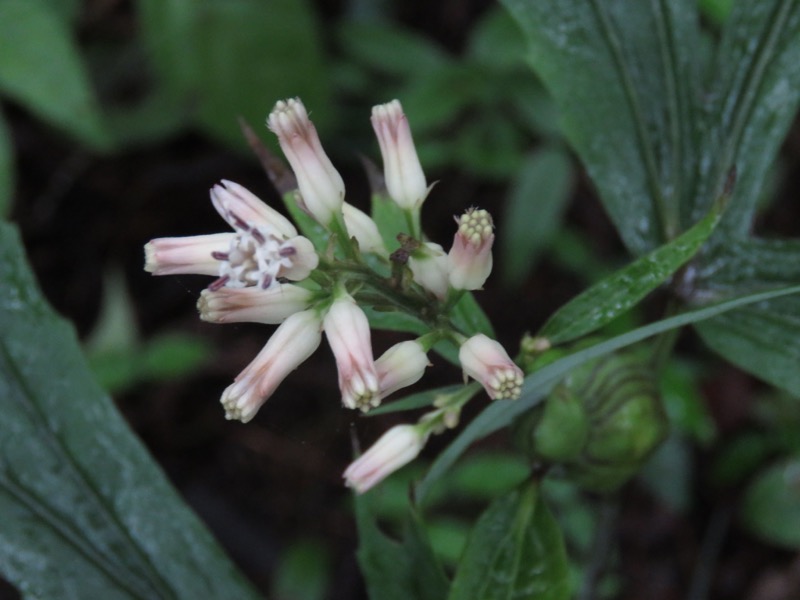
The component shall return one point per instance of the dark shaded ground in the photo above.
(260, 486)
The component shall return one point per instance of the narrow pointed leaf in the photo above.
(86, 512)
(623, 76)
(618, 293)
(516, 550)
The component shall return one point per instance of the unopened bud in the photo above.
(470, 257)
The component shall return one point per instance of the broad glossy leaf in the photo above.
(764, 338)
(42, 69)
(516, 550)
(500, 414)
(618, 293)
(623, 76)
(771, 505)
(534, 209)
(751, 104)
(86, 512)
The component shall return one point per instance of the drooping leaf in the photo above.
(42, 69)
(535, 206)
(618, 293)
(771, 505)
(500, 414)
(81, 500)
(623, 75)
(750, 106)
(516, 550)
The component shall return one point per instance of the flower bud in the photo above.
(320, 184)
(361, 226)
(291, 344)
(429, 265)
(396, 448)
(347, 330)
(487, 362)
(400, 366)
(470, 258)
(238, 205)
(600, 424)
(405, 180)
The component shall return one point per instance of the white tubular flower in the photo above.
(429, 265)
(347, 330)
(264, 246)
(396, 448)
(470, 257)
(253, 305)
(320, 184)
(361, 226)
(405, 180)
(400, 366)
(291, 344)
(193, 255)
(485, 360)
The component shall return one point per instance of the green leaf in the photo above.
(771, 505)
(303, 572)
(618, 293)
(7, 183)
(383, 562)
(762, 339)
(752, 102)
(81, 500)
(414, 401)
(623, 77)
(42, 69)
(516, 550)
(390, 49)
(468, 315)
(534, 210)
(500, 414)
(234, 59)
(390, 219)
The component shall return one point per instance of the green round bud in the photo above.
(600, 424)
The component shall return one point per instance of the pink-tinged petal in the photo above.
(470, 257)
(400, 366)
(430, 267)
(291, 344)
(361, 226)
(236, 204)
(486, 361)
(405, 180)
(396, 448)
(303, 257)
(347, 330)
(320, 184)
(253, 304)
(186, 255)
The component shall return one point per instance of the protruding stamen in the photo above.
(259, 237)
(267, 281)
(216, 255)
(218, 284)
(239, 222)
(287, 251)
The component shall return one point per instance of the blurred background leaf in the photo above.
(42, 69)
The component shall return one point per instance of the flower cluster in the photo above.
(266, 272)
